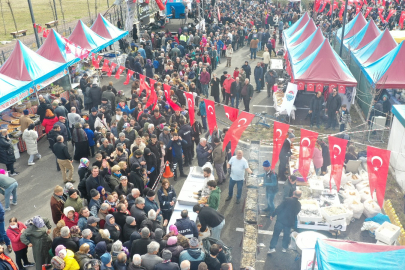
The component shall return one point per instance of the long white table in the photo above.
(192, 184)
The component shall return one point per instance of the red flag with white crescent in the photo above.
(129, 75)
(390, 13)
(319, 87)
(378, 161)
(96, 62)
(151, 99)
(211, 115)
(337, 151)
(310, 87)
(342, 9)
(231, 113)
(307, 145)
(341, 89)
(153, 92)
(190, 103)
(237, 128)
(401, 19)
(280, 131)
(105, 67)
(332, 86)
(112, 67)
(174, 106)
(368, 10)
(380, 10)
(301, 86)
(119, 71)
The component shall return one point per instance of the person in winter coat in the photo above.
(218, 157)
(97, 179)
(204, 151)
(124, 188)
(151, 166)
(82, 256)
(109, 95)
(176, 146)
(70, 216)
(101, 122)
(37, 235)
(227, 87)
(174, 248)
(74, 200)
(215, 87)
(112, 227)
(344, 117)
(193, 254)
(317, 158)
(315, 108)
(30, 137)
(57, 203)
(136, 178)
(14, 232)
(124, 108)
(247, 69)
(215, 195)
(49, 120)
(228, 54)
(68, 257)
(149, 68)
(325, 156)
(332, 108)
(43, 106)
(151, 204)
(203, 113)
(204, 81)
(138, 68)
(270, 80)
(247, 94)
(95, 94)
(167, 199)
(258, 73)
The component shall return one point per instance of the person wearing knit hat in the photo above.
(70, 217)
(106, 259)
(129, 220)
(59, 248)
(150, 203)
(175, 249)
(74, 200)
(57, 263)
(271, 184)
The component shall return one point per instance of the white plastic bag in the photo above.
(364, 175)
(356, 178)
(349, 216)
(370, 226)
(348, 186)
(350, 193)
(365, 195)
(363, 184)
(371, 208)
(356, 206)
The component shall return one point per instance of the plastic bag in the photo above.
(370, 226)
(351, 193)
(364, 175)
(349, 186)
(356, 206)
(363, 184)
(371, 208)
(349, 217)
(356, 178)
(365, 194)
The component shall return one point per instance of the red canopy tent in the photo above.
(297, 25)
(309, 30)
(315, 43)
(54, 49)
(371, 33)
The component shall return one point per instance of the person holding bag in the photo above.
(271, 184)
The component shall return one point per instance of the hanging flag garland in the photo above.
(280, 131)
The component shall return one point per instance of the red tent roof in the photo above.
(50, 49)
(302, 23)
(309, 30)
(386, 44)
(358, 25)
(100, 28)
(371, 33)
(394, 76)
(15, 65)
(315, 43)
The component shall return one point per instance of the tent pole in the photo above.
(314, 261)
(343, 29)
(331, 22)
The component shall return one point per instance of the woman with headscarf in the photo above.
(151, 165)
(37, 234)
(75, 234)
(81, 144)
(103, 194)
(104, 236)
(136, 178)
(84, 170)
(14, 232)
(100, 249)
(101, 122)
(30, 137)
(149, 68)
(70, 216)
(49, 121)
(174, 248)
(68, 257)
(167, 199)
(112, 227)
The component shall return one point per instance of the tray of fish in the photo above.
(252, 182)
(250, 216)
(306, 192)
(250, 231)
(251, 204)
(334, 212)
(310, 211)
(248, 259)
(249, 245)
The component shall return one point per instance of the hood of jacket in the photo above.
(195, 253)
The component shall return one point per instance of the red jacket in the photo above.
(14, 235)
(227, 85)
(205, 77)
(235, 74)
(69, 222)
(48, 124)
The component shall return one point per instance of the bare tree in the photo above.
(53, 11)
(88, 8)
(12, 14)
(63, 14)
(2, 15)
(95, 7)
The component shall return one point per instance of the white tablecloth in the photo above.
(284, 112)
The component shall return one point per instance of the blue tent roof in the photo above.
(370, 29)
(107, 30)
(309, 25)
(352, 27)
(296, 51)
(301, 21)
(83, 36)
(10, 88)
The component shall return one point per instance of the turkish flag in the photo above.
(160, 4)
(119, 71)
(96, 62)
(150, 99)
(231, 113)
(190, 103)
(378, 161)
(143, 85)
(129, 75)
(342, 9)
(39, 28)
(280, 131)
(307, 144)
(332, 86)
(358, 10)
(341, 89)
(106, 67)
(46, 33)
(319, 87)
(301, 86)
(112, 67)
(174, 106)
(337, 151)
(401, 19)
(310, 87)
(211, 115)
(380, 10)
(84, 53)
(390, 13)
(237, 128)
(368, 10)
(153, 92)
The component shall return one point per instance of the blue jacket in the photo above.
(150, 205)
(125, 109)
(220, 45)
(164, 200)
(194, 255)
(201, 107)
(90, 136)
(177, 147)
(186, 226)
(90, 243)
(202, 154)
(270, 181)
(142, 52)
(82, 223)
(258, 72)
(1, 213)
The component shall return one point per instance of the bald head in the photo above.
(185, 265)
(297, 193)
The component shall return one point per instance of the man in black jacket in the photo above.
(270, 80)
(236, 88)
(65, 240)
(210, 218)
(95, 94)
(286, 214)
(64, 159)
(185, 133)
(285, 153)
(246, 94)
(185, 226)
(315, 108)
(137, 210)
(83, 82)
(97, 179)
(332, 108)
(247, 69)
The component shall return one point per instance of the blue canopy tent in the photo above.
(178, 7)
(86, 38)
(363, 37)
(11, 89)
(308, 46)
(334, 254)
(107, 30)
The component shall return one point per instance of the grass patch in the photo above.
(73, 10)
